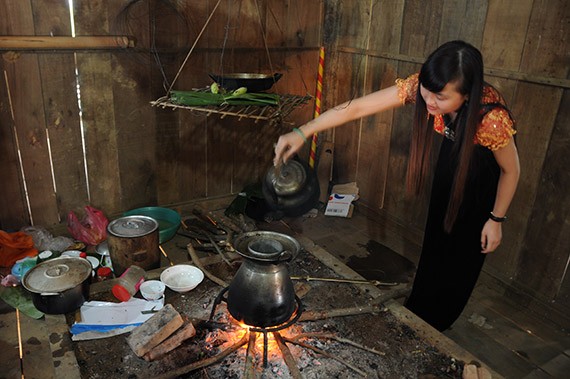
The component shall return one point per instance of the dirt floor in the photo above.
(398, 351)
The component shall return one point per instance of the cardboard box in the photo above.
(340, 200)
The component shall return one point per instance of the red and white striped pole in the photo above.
(318, 98)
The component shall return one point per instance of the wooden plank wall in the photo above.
(117, 152)
(527, 55)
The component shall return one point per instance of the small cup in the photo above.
(152, 289)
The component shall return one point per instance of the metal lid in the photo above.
(57, 275)
(267, 246)
(288, 179)
(132, 226)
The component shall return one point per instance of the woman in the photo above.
(475, 178)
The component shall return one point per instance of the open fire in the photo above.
(255, 346)
(265, 338)
(269, 344)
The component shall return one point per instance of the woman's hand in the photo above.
(287, 145)
(491, 236)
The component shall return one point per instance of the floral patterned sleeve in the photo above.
(408, 88)
(496, 129)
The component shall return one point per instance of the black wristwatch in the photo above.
(497, 219)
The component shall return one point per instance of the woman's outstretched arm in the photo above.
(375, 102)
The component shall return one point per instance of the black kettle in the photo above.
(291, 189)
(262, 294)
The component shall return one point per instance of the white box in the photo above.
(340, 200)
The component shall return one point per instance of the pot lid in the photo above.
(132, 226)
(288, 179)
(57, 275)
(266, 246)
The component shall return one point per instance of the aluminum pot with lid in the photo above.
(133, 240)
(59, 285)
(261, 294)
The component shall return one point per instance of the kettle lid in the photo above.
(288, 178)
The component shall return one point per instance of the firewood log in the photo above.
(187, 331)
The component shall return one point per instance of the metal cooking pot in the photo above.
(133, 240)
(261, 294)
(292, 188)
(253, 82)
(59, 285)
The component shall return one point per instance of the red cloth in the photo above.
(15, 246)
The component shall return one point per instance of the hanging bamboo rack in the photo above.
(269, 113)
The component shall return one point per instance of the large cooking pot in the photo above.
(261, 294)
(133, 240)
(59, 285)
(292, 188)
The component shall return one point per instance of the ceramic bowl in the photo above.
(94, 262)
(152, 289)
(182, 278)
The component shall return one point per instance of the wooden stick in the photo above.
(287, 357)
(165, 255)
(65, 42)
(336, 338)
(249, 370)
(196, 261)
(373, 308)
(339, 280)
(187, 331)
(204, 362)
(342, 312)
(324, 353)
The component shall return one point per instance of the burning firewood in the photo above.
(325, 354)
(249, 371)
(204, 362)
(287, 356)
(336, 338)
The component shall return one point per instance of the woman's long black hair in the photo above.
(462, 64)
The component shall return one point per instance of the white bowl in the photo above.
(152, 289)
(182, 278)
(94, 261)
(71, 253)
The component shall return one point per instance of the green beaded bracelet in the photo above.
(299, 132)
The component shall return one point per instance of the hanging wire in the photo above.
(264, 38)
(132, 18)
(227, 29)
(194, 45)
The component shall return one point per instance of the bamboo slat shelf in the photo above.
(270, 113)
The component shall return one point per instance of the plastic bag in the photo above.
(44, 240)
(92, 229)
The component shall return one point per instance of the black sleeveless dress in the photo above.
(450, 263)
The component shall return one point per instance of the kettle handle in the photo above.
(285, 256)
